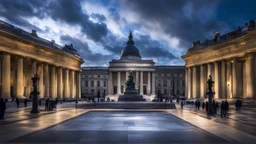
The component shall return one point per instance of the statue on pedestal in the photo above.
(130, 84)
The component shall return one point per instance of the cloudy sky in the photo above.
(163, 29)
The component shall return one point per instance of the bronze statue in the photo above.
(130, 84)
(210, 83)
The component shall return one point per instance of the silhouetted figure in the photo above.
(226, 108)
(47, 104)
(214, 106)
(203, 105)
(198, 104)
(240, 104)
(158, 96)
(206, 106)
(237, 105)
(222, 109)
(2, 108)
(76, 102)
(181, 104)
(98, 96)
(25, 102)
(18, 102)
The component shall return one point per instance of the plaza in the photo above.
(124, 72)
(69, 125)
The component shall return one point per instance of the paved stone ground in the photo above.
(243, 120)
(123, 127)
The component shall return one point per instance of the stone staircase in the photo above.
(129, 105)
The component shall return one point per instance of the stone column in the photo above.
(216, 80)
(153, 84)
(118, 82)
(53, 83)
(137, 80)
(78, 84)
(202, 81)
(41, 81)
(223, 80)
(234, 79)
(189, 82)
(141, 82)
(250, 76)
(20, 87)
(59, 83)
(195, 85)
(110, 83)
(229, 81)
(66, 84)
(149, 84)
(46, 81)
(71, 83)
(6, 76)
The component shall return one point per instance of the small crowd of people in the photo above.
(224, 106)
(50, 104)
(18, 102)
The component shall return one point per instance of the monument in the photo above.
(130, 94)
(210, 94)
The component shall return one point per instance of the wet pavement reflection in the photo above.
(123, 127)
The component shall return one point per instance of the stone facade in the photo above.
(94, 80)
(163, 77)
(24, 54)
(229, 59)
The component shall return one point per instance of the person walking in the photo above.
(206, 106)
(222, 107)
(198, 104)
(46, 104)
(237, 105)
(76, 102)
(214, 106)
(2, 108)
(18, 102)
(226, 108)
(217, 106)
(203, 105)
(25, 102)
(181, 104)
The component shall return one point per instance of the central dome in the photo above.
(130, 52)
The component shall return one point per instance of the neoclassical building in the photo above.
(23, 54)
(148, 78)
(229, 59)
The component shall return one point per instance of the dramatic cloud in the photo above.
(163, 29)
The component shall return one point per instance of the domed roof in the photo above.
(130, 52)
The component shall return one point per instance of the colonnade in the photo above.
(138, 79)
(55, 81)
(233, 78)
